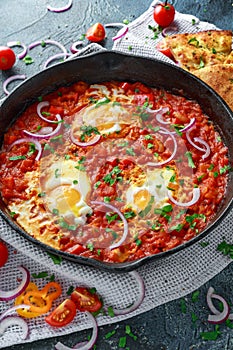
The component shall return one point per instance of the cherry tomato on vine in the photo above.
(96, 33)
(164, 14)
(86, 300)
(7, 58)
(3, 254)
(62, 315)
(165, 50)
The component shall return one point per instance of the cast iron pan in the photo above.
(106, 66)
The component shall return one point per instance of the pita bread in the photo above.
(220, 78)
(229, 59)
(197, 50)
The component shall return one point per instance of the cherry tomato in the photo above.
(164, 49)
(7, 58)
(3, 254)
(96, 33)
(164, 14)
(85, 300)
(62, 315)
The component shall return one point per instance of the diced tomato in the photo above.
(76, 249)
(164, 49)
(26, 165)
(9, 182)
(56, 110)
(62, 315)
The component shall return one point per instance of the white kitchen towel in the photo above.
(165, 280)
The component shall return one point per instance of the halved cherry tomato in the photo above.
(62, 315)
(3, 254)
(164, 14)
(165, 50)
(20, 300)
(86, 300)
(7, 58)
(96, 33)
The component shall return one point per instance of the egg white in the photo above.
(155, 185)
(66, 189)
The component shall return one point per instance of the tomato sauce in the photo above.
(114, 171)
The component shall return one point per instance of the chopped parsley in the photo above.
(190, 159)
(42, 274)
(101, 102)
(57, 260)
(147, 209)
(88, 130)
(28, 60)
(212, 335)
(225, 248)
(113, 176)
(17, 158)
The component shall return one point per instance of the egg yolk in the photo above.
(68, 198)
(142, 198)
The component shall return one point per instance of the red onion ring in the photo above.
(139, 300)
(122, 32)
(167, 29)
(35, 142)
(199, 140)
(84, 345)
(52, 42)
(12, 309)
(12, 321)
(22, 54)
(10, 79)
(44, 136)
(55, 57)
(38, 109)
(159, 113)
(73, 47)
(217, 317)
(165, 131)
(93, 141)
(189, 125)
(60, 9)
(115, 210)
(12, 294)
(196, 196)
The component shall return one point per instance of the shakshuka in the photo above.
(114, 171)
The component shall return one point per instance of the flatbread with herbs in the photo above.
(220, 78)
(197, 50)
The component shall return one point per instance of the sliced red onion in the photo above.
(93, 141)
(199, 140)
(35, 142)
(173, 153)
(169, 29)
(115, 210)
(10, 79)
(122, 32)
(45, 130)
(139, 300)
(84, 345)
(217, 317)
(12, 294)
(159, 114)
(73, 48)
(12, 321)
(51, 42)
(22, 54)
(39, 108)
(60, 9)
(55, 57)
(189, 125)
(45, 136)
(13, 309)
(196, 196)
